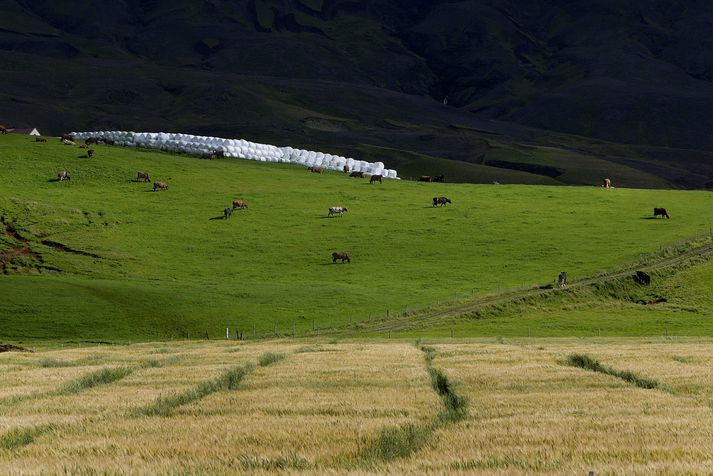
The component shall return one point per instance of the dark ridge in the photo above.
(67, 249)
(12, 348)
(545, 170)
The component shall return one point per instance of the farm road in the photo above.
(430, 318)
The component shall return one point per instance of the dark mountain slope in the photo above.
(365, 76)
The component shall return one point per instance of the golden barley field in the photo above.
(636, 406)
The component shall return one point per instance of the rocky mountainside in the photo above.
(370, 76)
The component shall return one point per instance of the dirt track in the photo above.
(513, 296)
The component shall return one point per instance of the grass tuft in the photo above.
(252, 463)
(94, 379)
(51, 363)
(18, 437)
(226, 381)
(586, 362)
(398, 442)
(269, 358)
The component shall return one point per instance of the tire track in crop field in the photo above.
(402, 441)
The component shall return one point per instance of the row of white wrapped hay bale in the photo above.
(239, 148)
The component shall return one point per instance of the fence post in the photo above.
(227, 334)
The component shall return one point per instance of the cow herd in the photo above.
(240, 204)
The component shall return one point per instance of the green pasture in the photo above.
(148, 265)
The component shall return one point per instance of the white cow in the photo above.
(336, 211)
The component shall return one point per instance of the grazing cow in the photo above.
(63, 175)
(357, 174)
(345, 169)
(336, 211)
(660, 211)
(316, 170)
(90, 153)
(84, 146)
(68, 137)
(562, 280)
(607, 183)
(425, 178)
(642, 278)
(241, 204)
(342, 256)
(377, 178)
(3, 129)
(91, 140)
(216, 154)
(67, 142)
(227, 212)
(109, 141)
(40, 139)
(143, 176)
(160, 186)
(439, 178)
(441, 201)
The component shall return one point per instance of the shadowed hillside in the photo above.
(551, 90)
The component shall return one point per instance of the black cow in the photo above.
(342, 256)
(660, 211)
(441, 201)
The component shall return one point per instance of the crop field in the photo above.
(527, 406)
(101, 257)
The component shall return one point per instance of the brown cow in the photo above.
(90, 153)
(241, 204)
(316, 170)
(345, 169)
(91, 140)
(425, 178)
(40, 139)
(607, 183)
(377, 178)
(342, 256)
(63, 175)
(661, 211)
(143, 176)
(357, 174)
(67, 142)
(160, 186)
(3, 129)
(69, 137)
(84, 146)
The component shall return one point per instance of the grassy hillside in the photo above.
(459, 407)
(121, 262)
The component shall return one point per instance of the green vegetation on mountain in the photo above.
(578, 89)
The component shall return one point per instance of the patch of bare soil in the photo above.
(12, 348)
(20, 256)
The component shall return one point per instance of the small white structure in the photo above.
(25, 132)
